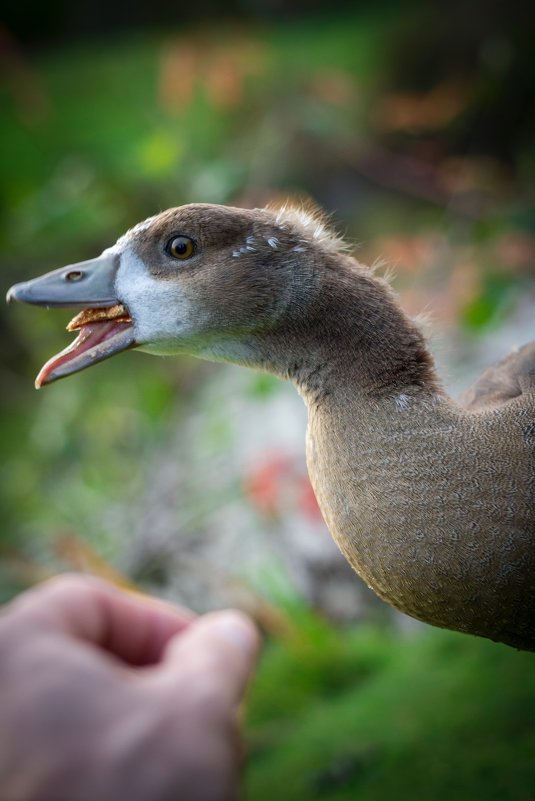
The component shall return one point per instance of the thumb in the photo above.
(212, 659)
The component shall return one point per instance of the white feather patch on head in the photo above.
(312, 225)
(402, 402)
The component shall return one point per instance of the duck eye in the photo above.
(180, 247)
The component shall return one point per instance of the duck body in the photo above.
(437, 528)
(432, 502)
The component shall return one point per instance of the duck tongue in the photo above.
(98, 339)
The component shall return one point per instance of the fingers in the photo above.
(211, 661)
(134, 628)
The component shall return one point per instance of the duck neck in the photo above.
(353, 342)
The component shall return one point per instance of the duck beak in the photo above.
(89, 283)
(105, 326)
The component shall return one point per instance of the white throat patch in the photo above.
(162, 315)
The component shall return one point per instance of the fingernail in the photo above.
(236, 628)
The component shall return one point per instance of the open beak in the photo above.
(105, 326)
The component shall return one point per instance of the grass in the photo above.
(434, 716)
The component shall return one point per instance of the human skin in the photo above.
(109, 695)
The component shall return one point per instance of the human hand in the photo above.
(107, 695)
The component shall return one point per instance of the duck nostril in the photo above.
(74, 275)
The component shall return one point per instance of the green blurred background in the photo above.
(413, 124)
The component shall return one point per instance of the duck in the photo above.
(431, 500)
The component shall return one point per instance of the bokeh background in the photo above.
(413, 125)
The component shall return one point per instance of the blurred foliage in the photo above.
(415, 124)
(362, 714)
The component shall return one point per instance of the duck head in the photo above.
(200, 279)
